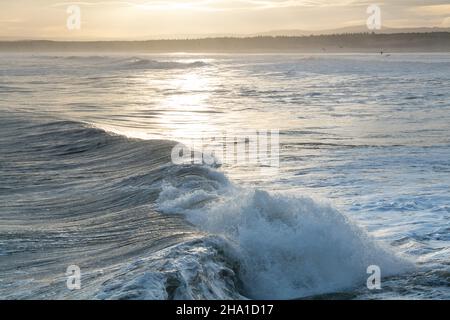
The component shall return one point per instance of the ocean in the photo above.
(88, 178)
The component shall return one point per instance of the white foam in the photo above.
(290, 246)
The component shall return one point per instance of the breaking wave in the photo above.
(147, 229)
(289, 246)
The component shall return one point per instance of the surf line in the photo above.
(197, 311)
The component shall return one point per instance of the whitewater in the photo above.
(87, 176)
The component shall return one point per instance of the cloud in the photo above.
(145, 18)
(446, 23)
(218, 5)
(435, 10)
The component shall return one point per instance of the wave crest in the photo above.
(140, 63)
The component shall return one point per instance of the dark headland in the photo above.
(358, 42)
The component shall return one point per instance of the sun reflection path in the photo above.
(187, 113)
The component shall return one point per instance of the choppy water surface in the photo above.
(87, 178)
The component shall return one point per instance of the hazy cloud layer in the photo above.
(137, 19)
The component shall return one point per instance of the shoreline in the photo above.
(437, 42)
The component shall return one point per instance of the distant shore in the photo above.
(358, 42)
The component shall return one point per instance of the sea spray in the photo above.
(290, 246)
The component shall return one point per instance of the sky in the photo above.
(142, 19)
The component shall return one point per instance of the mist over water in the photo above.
(87, 177)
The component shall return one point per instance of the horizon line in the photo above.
(243, 37)
(270, 33)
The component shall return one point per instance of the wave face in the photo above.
(142, 228)
(75, 195)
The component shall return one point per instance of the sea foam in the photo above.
(289, 246)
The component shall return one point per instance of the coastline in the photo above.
(342, 43)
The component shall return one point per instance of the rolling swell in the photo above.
(140, 63)
(73, 194)
(125, 63)
(142, 228)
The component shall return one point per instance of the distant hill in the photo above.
(272, 33)
(344, 43)
(346, 30)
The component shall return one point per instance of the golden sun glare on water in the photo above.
(182, 113)
(187, 113)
